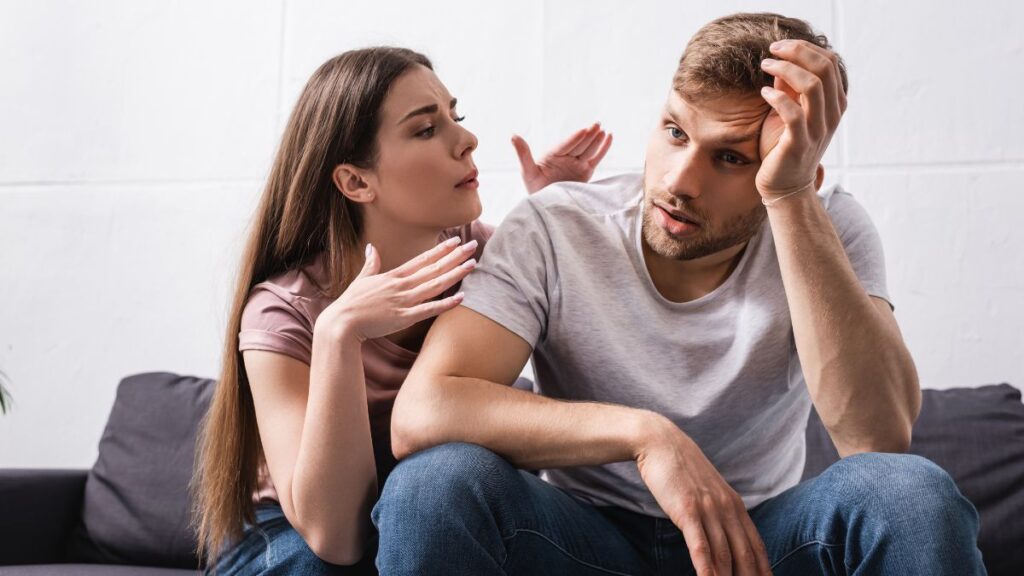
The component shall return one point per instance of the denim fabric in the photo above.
(461, 509)
(273, 547)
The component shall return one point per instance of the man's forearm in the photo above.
(529, 430)
(858, 370)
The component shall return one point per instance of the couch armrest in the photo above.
(40, 507)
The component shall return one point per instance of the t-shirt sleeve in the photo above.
(861, 241)
(514, 279)
(270, 321)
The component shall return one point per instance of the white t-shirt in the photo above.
(565, 272)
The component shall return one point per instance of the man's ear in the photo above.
(353, 182)
(819, 177)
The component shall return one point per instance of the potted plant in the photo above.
(5, 398)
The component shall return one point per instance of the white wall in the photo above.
(134, 136)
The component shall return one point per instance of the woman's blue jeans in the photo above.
(273, 547)
(460, 509)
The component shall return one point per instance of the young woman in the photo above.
(365, 229)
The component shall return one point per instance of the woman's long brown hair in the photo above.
(300, 215)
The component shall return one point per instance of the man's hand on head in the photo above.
(808, 101)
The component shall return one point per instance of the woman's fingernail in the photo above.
(778, 45)
(469, 246)
(369, 249)
(767, 91)
(768, 62)
(453, 241)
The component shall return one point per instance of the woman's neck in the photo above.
(397, 244)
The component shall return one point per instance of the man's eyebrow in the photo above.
(734, 139)
(724, 139)
(428, 109)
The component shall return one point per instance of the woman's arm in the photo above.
(315, 431)
(313, 420)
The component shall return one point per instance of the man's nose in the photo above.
(685, 178)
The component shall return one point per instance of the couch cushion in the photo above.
(977, 436)
(136, 506)
(91, 570)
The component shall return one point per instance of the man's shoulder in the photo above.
(843, 208)
(602, 197)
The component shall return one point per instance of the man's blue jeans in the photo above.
(461, 509)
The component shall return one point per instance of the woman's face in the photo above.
(424, 176)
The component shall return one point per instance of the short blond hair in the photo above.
(724, 57)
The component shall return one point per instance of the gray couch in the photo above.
(128, 514)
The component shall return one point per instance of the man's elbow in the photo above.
(895, 442)
(412, 420)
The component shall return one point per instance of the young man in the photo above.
(682, 323)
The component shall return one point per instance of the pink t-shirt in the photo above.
(279, 317)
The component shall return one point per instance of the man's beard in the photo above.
(708, 240)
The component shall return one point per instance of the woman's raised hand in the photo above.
(375, 305)
(574, 160)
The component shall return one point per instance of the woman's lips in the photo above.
(469, 181)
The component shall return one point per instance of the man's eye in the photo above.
(732, 158)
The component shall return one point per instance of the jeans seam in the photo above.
(805, 545)
(563, 551)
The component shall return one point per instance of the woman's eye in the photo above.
(426, 132)
(732, 158)
(459, 118)
(675, 132)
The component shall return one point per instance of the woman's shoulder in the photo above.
(281, 311)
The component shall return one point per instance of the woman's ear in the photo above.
(353, 182)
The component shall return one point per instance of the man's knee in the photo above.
(450, 479)
(898, 484)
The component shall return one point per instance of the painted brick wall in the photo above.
(134, 136)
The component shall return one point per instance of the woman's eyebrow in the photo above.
(428, 109)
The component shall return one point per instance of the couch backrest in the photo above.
(977, 436)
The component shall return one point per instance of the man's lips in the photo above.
(677, 214)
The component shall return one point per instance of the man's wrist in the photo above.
(649, 429)
(770, 197)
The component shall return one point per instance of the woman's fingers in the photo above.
(372, 263)
(440, 266)
(526, 162)
(427, 257)
(432, 308)
(437, 285)
(573, 141)
(584, 143)
(595, 145)
(596, 158)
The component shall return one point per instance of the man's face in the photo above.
(699, 191)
